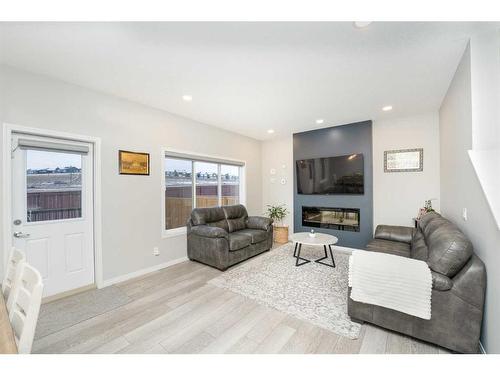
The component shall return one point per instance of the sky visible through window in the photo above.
(178, 172)
(178, 165)
(204, 168)
(51, 160)
(185, 166)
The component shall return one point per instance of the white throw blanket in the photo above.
(391, 281)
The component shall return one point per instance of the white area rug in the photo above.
(312, 292)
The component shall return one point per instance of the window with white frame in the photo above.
(198, 182)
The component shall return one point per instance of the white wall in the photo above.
(398, 196)
(278, 155)
(485, 99)
(485, 90)
(131, 209)
(460, 189)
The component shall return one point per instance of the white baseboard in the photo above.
(481, 348)
(138, 273)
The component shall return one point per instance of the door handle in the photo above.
(21, 235)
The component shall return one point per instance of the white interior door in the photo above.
(52, 210)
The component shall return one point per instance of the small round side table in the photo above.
(320, 239)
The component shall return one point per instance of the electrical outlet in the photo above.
(464, 214)
(156, 251)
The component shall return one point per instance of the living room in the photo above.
(249, 187)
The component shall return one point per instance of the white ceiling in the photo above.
(250, 77)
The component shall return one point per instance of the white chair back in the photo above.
(26, 301)
(16, 257)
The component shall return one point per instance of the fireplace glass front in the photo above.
(332, 218)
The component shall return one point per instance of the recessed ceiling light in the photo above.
(361, 24)
(387, 108)
(270, 131)
(320, 121)
(187, 98)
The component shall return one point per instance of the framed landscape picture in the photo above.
(135, 163)
(408, 160)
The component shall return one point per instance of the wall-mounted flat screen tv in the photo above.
(334, 175)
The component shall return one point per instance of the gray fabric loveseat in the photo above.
(458, 278)
(224, 236)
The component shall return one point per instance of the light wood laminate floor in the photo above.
(174, 311)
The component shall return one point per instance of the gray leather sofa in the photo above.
(224, 236)
(458, 278)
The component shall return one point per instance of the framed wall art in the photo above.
(407, 160)
(133, 163)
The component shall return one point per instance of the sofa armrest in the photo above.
(394, 233)
(441, 282)
(208, 231)
(470, 282)
(259, 222)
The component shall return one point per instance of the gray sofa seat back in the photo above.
(448, 248)
(212, 216)
(419, 249)
(236, 217)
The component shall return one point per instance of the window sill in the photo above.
(177, 232)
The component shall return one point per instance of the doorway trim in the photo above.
(8, 129)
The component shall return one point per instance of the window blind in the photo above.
(178, 155)
(36, 144)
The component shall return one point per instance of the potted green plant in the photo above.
(278, 214)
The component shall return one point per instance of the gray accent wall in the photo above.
(347, 139)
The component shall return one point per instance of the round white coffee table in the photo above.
(320, 239)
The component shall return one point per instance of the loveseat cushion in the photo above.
(394, 233)
(212, 216)
(208, 231)
(238, 241)
(389, 247)
(419, 248)
(235, 225)
(449, 248)
(236, 217)
(259, 222)
(257, 235)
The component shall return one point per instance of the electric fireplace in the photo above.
(332, 218)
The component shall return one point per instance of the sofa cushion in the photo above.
(235, 225)
(208, 231)
(259, 222)
(419, 248)
(239, 241)
(389, 247)
(394, 233)
(235, 211)
(256, 235)
(236, 217)
(427, 218)
(212, 216)
(449, 248)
